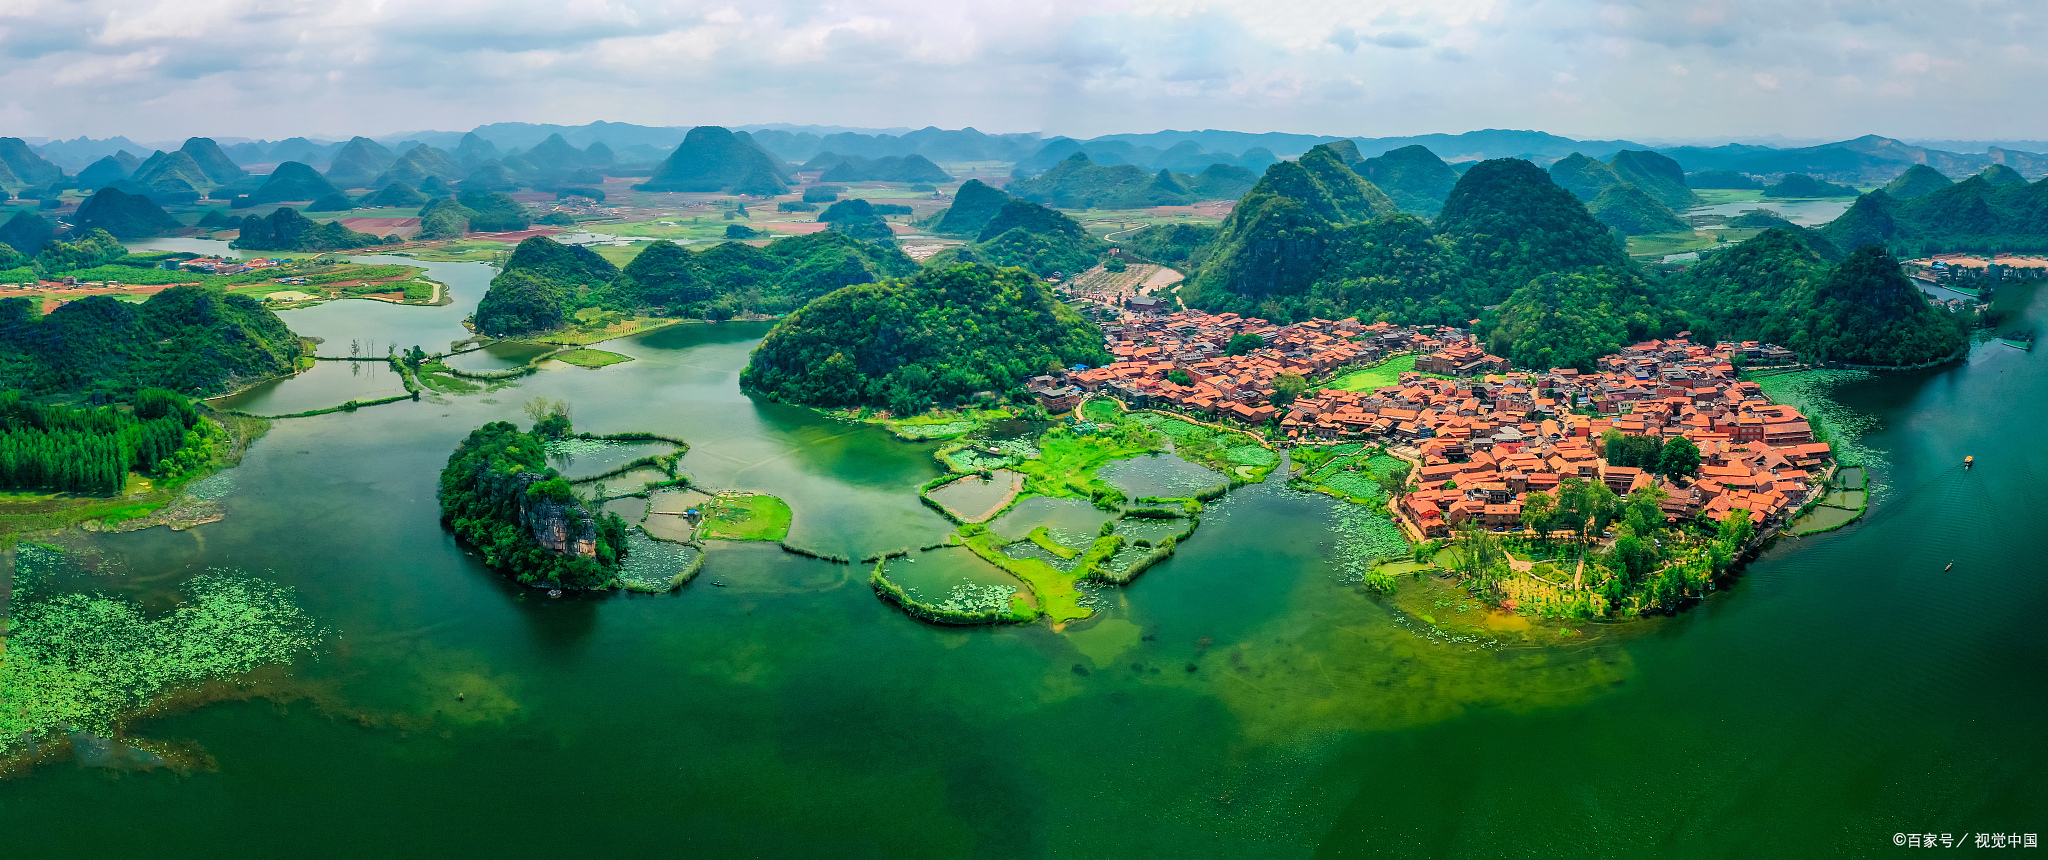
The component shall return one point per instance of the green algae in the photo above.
(80, 661)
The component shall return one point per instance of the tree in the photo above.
(1241, 344)
(1538, 509)
(1178, 376)
(550, 417)
(1679, 457)
(1287, 387)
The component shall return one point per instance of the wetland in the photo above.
(1251, 693)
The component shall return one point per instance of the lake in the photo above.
(1240, 698)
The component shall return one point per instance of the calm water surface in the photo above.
(1236, 700)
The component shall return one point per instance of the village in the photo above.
(1480, 436)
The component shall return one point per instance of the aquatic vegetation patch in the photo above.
(1812, 393)
(657, 565)
(1366, 537)
(87, 661)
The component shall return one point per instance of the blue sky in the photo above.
(1651, 71)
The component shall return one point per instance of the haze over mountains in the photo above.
(1867, 160)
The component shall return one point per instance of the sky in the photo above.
(1645, 70)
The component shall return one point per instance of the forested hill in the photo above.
(1785, 286)
(545, 283)
(542, 284)
(1275, 242)
(188, 339)
(715, 159)
(1042, 241)
(936, 338)
(1971, 215)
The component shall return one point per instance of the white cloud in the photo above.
(1645, 68)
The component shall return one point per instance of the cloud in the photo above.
(162, 69)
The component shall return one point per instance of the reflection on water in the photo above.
(326, 384)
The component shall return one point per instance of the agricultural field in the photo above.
(745, 516)
(1377, 376)
(592, 358)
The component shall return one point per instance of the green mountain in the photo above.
(218, 167)
(1999, 174)
(9, 183)
(358, 163)
(86, 250)
(27, 232)
(396, 195)
(473, 151)
(1629, 209)
(1722, 179)
(732, 278)
(1971, 215)
(1178, 244)
(416, 165)
(936, 338)
(1278, 241)
(443, 219)
(10, 258)
(1584, 177)
(491, 212)
(556, 154)
(28, 169)
(1657, 175)
(498, 491)
(1757, 290)
(100, 173)
(1031, 237)
(1572, 318)
(171, 173)
(489, 177)
(1917, 180)
(1219, 182)
(189, 339)
(1866, 312)
(1079, 183)
(435, 188)
(215, 219)
(973, 207)
(287, 230)
(893, 168)
(336, 202)
(1762, 218)
(1512, 223)
(292, 180)
(1413, 177)
(857, 218)
(126, 216)
(714, 159)
(540, 286)
(1802, 185)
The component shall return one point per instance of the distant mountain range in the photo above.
(1867, 160)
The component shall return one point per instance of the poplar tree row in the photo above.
(92, 449)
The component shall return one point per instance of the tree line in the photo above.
(92, 450)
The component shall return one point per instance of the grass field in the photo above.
(1377, 376)
(600, 327)
(1660, 244)
(592, 358)
(1068, 461)
(746, 516)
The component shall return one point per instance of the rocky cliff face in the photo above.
(565, 528)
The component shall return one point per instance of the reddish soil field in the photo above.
(797, 227)
(383, 226)
(517, 235)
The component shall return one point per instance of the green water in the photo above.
(1237, 699)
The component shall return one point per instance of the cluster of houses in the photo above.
(1181, 361)
(1482, 436)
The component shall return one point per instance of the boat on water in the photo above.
(1969, 461)
(2018, 340)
